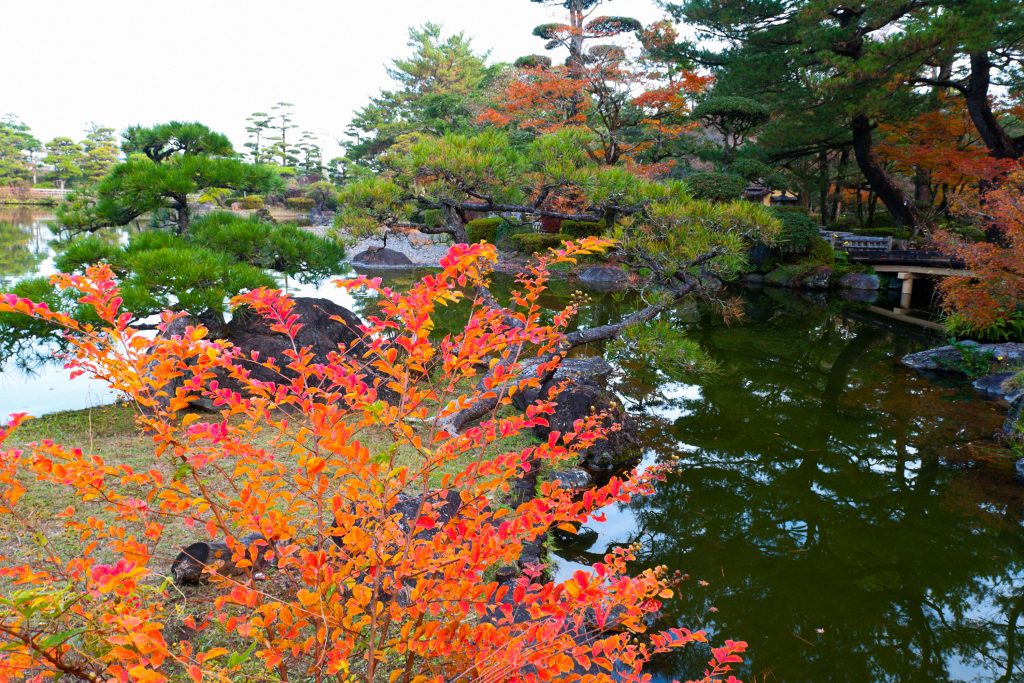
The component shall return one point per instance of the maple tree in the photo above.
(993, 291)
(355, 589)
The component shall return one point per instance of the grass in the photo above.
(111, 433)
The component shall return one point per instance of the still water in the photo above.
(848, 518)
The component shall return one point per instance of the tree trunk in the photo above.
(823, 187)
(184, 217)
(901, 208)
(455, 225)
(979, 107)
(837, 196)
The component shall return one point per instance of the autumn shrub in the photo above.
(345, 563)
(990, 293)
(530, 242)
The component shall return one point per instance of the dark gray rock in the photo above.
(604, 276)
(325, 326)
(188, 567)
(574, 479)
(818, 279)
(585, 394)
(860, 281)
(992, 386)
(1013, 427)
(382, 258)
(753, 279)
(946, 358)
(1018, 476)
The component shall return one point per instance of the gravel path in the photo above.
(422, 250)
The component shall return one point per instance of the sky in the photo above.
(123, 62)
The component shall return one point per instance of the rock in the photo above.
(710, 282)
(320, 331)
(1013, 427)
(782, 277)
(1018, 476)
(864, 296)
(948, 358)
(818, 279)
(382, 258)
(861, 281)
(586, 393)
(758, 254)
(605, 276)
(188, 567)
(992, 386)
(574, 479)
(753, 279)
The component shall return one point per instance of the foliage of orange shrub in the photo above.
(358, 592)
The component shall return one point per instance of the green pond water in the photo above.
(848, 518)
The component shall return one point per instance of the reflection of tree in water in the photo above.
(823, 486)
(20, 252)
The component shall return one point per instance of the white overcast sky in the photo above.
(121, 62)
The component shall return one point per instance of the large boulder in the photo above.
(604, 277)
(859, 281)
(949, 358)
(992, 386)
(1013, 427)
(325, 325)
(586, 394)
(382, 258)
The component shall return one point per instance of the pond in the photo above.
(848, 518)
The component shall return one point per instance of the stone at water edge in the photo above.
(946, 358)
(604, 276)
(574, 479)
(863, 281)
(818, 279)
(992, 386)
(382, 258)
(1019, 469)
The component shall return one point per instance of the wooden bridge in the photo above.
(885, 255)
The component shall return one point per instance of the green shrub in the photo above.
(716, 187)
(751, 169)
(966, 231)
(581, 229)
(251, 202)
(432, 218)
(821, 253)
(507, 232)
(799, 231)
(883, 219)
(531, 242)
(485, 229)
(300, 203)
(324, 195)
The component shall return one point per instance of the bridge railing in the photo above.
(846, 241)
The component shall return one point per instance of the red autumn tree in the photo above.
(376, 563)
(994, 291)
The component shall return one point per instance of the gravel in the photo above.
(422, 250)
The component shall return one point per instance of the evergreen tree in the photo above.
(65, 157)
(101, 151)
(18, 148)
(168, 163)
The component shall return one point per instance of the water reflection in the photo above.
(851, 518)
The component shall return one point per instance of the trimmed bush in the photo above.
(531, 242)
(300, 203)
(799, 231)
(581, 229)
(251, 202)
(716, 187)
(485, 229)
(821, 252)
